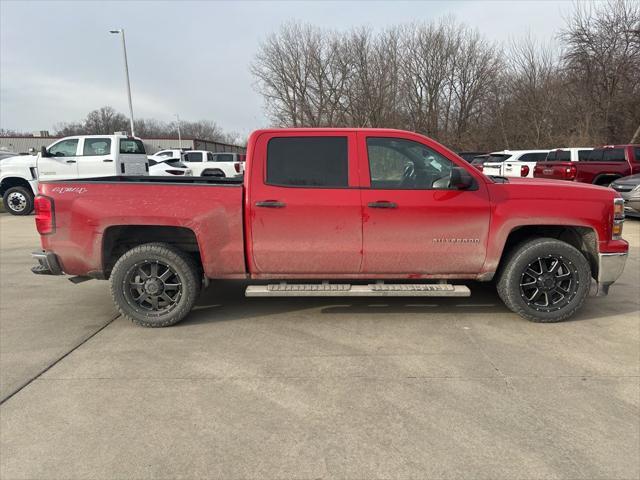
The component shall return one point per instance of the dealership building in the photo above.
(23, 144)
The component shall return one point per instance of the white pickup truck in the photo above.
(209, 164)
(80, 156)
(513, 163)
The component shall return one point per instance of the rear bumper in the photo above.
(610, 267)
(48, 263)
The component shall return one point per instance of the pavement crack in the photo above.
(57, 360)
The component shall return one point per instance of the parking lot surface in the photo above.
(313, 388)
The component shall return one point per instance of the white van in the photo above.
(88, 156)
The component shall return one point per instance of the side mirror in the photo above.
(461, 179)
(44, 152)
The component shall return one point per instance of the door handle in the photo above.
(270, 204)
(71, 161)
(107, 160)
(382, 204)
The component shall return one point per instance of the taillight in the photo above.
(618, 218)
(537, 170)
(237, 167)
(571, 172)
(524, 170)
(45, 218)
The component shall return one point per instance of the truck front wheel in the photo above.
(18, 200)
(544, 280)
(155, 284)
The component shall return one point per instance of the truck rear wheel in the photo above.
(544, 280)
(18, 200)
(155, 284)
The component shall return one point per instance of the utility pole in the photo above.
(179, 134)
(126, 72)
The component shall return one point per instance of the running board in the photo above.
(348, 290)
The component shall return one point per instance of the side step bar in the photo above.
(347, 290)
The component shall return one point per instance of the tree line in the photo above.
(106, 120)
(447, 81)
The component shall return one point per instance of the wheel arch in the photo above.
(118, 239)
(605, 179)
(9, 182)
(582, 238)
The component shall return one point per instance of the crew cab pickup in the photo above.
(601, 167)
(334, 212)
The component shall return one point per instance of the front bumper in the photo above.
(610, 267)
(48, 263)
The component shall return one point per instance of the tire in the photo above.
(18, 200)
(174, 295)
(563, 289)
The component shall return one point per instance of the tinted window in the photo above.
(551, 156)
(209, 157)
(636, 152)
(224, 157)
(564, 156)
(96, 146)
(583, 154)
(499, 157)
(308, 161)
(595, 155)
(131, 145)
(404, 164)
(65, 148)
(613, 155)
(193, 156)
(532, 157)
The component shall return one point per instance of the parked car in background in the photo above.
(513, 163)
(82, 156)
(571, 154)
(88, 156)
(478, 161)
(168, 167)
(18, 183)
(603, 166)
(169, 153)
(629, 188)
(469, 156)
(349, 209)
(209, 164)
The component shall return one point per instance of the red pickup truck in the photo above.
(334, 212)
(601, 167)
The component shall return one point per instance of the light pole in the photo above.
(126, 71)
(179, 134)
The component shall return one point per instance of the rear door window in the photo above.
(636, 153)
(320, 162)
(584, 154)
(193, 157)
(595, 155)
(224, 157)
(96, 146)
(131, 145)
(613, 155)
(533, 157)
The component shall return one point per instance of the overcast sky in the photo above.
(58, 61)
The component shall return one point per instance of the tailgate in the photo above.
(555, 170)
(492, 168)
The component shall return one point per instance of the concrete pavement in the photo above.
(316, 388)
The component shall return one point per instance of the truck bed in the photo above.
(92, 214)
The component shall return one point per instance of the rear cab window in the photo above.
(96, 147)
(132, 145)
(223, 157)
(313, 162)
